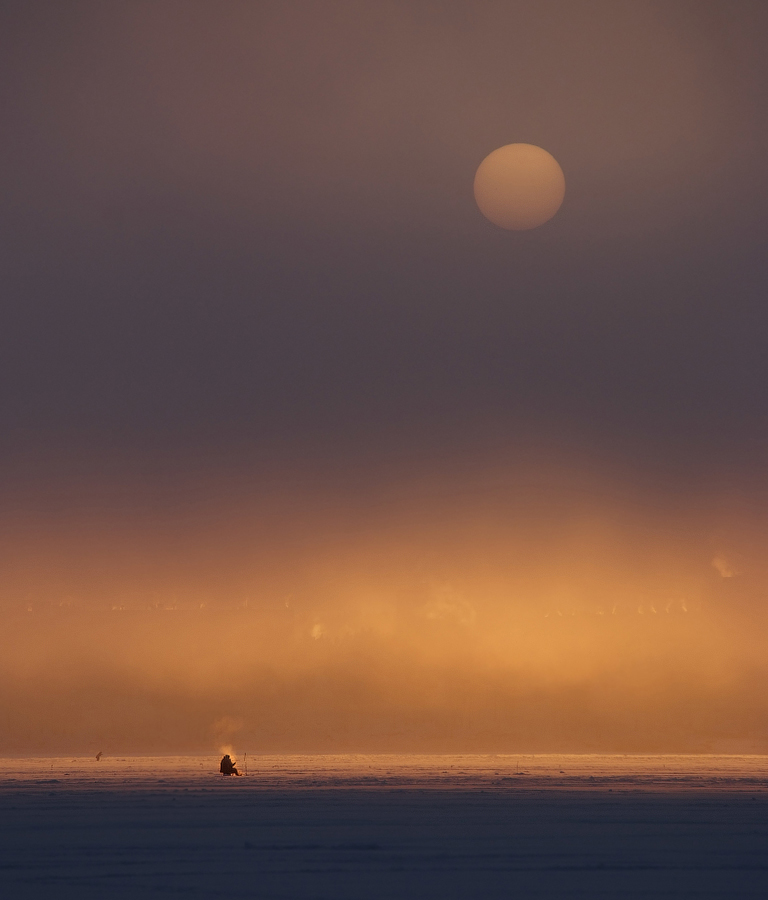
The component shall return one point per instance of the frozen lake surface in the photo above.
(402, 827)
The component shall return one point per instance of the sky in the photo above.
(299, 453)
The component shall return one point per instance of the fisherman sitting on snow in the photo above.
(227, 767)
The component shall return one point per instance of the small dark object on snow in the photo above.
(227, 767)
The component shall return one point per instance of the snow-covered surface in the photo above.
(385, 827)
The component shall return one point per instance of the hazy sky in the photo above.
(390, 468)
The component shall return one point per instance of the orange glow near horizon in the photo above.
(529, 610)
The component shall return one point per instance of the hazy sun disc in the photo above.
(519, 186)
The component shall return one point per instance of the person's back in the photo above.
(227, 767)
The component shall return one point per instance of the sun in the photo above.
(519, 186)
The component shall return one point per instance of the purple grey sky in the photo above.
(238, 224)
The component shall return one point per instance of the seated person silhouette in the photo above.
(227, 767)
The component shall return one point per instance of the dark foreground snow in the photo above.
(386, 827)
